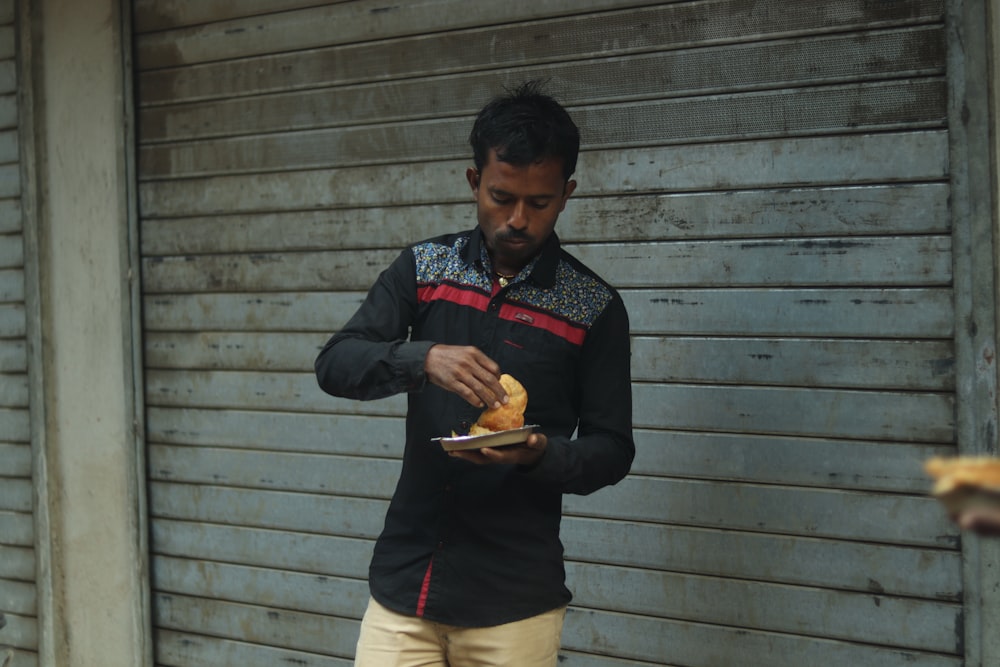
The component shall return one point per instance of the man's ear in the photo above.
(567, 191)
(472, 175)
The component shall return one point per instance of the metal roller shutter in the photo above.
(766, 183)
(18, 600)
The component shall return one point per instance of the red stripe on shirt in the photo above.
(479, 301)
(424, 588)
(452, 294)
(566, 330)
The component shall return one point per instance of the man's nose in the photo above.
(518, 216)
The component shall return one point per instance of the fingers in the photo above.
(484, 455)
(472, 455)
(524, 455)
(985, 521)
(466, 371)
(537, 441)
(489, 391)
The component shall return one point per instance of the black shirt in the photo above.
(473, 545)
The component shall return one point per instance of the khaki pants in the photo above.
(389, 639)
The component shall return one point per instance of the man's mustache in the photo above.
(513, 235)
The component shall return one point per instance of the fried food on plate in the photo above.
(508, 416)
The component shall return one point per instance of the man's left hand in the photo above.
(526, 454)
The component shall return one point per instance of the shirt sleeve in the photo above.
(603, 451)
(371, 356)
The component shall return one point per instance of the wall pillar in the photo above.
(83, 329)
(972, 129)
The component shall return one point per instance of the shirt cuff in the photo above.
(409, 360)
(549, 465)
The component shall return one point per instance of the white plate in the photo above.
(512, 437)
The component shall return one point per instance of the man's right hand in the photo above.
(465, 370)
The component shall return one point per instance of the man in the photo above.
(468, 569)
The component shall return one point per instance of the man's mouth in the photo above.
(513, 239)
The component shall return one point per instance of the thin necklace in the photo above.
(504, 279)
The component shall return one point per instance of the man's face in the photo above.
(517, 207)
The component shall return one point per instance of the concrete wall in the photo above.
(90, 510)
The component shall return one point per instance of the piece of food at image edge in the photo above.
(964, 482)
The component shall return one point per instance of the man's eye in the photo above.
(539, 204)
(501, 200)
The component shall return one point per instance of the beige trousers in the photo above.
(389, 639)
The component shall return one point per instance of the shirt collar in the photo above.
(544, 271)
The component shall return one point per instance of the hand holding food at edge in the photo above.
(969, 488)
(982, 520)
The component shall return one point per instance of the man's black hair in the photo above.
(523, 126)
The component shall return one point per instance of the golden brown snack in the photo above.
(476, 429)
(509, 415)
(965, 482)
